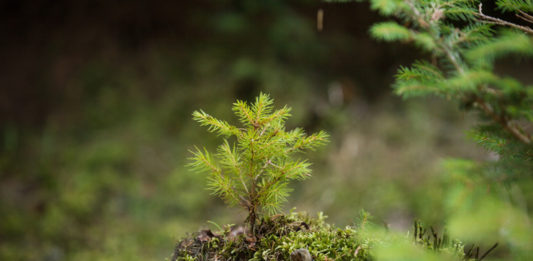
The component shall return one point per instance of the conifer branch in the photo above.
(486, 108)
(503, 121)
(473, 76)
(494, 20)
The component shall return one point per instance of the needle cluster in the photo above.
(256, 161)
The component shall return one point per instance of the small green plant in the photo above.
(255, 170)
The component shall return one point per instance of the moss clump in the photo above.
(277, 237)
(281, 235)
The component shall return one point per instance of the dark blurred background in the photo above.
(95, 119)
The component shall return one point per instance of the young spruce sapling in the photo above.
(255, 162)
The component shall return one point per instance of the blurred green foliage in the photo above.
(484, 201)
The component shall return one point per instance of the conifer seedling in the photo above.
(254, 164)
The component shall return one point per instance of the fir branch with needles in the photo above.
(465, 45)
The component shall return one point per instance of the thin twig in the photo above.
(420, 17)
(524, 18)
(488, 251)
(502, 121)
(528, 17)
(494, 20)
(270, 163)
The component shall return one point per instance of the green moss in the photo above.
(280, 235)
(321, 239)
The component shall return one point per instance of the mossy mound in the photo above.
(279, 236)
(276, 238)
